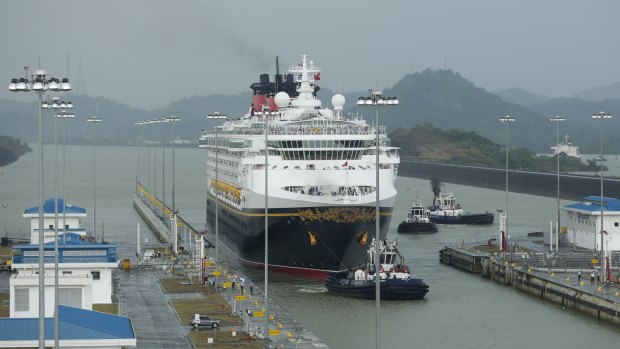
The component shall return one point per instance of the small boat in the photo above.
(447, 211)
(396, 282)
(417, 220)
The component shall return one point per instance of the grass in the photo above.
(5, 306)
(212, 305)
(106, 308)
(222, 340)
(183, 285)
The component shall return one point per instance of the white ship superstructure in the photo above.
(321, 167)
(567, 148)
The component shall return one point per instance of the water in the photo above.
(460, 311)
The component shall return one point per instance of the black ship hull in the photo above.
(416, 228)
(391, 289)
(305, 241)
(471, 219)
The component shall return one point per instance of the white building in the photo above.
(584, 223)
(72, 225)
(85, 275)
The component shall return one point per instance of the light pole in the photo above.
(59, 107)
(265, 114)
(602, 116)
(556, 120)
(216, 116)
(40, 83)
(64, 116)
(173, 120)
(94, 120)
(163, 169)
(6, 234)
(376, 99)
(506, 120)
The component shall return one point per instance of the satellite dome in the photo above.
(338, 101)
(282, 99)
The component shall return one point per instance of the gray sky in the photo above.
(147, 53)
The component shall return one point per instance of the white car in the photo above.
(148, 254)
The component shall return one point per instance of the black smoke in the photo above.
(436, 186)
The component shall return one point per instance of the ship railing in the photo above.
(329, 130)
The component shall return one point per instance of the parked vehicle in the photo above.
(204, 321)
(148, 254)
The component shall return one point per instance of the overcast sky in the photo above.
(148, 53)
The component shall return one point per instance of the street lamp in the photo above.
(94, 120)
(265, 114)
(6, 234)
(556, 120)
(602, 116)
(216, 116)
(60, 108)
(64, 116)
(376, 99)
(39, 83)
(506, 120)
(173, 120)
(163, 169)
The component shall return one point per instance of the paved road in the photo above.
(155, 322)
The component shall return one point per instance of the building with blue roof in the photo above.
(72, 215)
(584, 223)
(85, 275)
(78, 328)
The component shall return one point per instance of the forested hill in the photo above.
(447, 100)
(11, 149)
(428, 143)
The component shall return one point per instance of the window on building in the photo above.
(67, 272)
(96, 275)
(22, 299)
(71, 297)
(616, 224)
(51, 226)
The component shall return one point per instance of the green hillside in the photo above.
(428, 143)
(11, 149)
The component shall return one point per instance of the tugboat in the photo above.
(396, 281)
(417, 220)
(447, 211)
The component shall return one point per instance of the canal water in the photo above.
(460, 311)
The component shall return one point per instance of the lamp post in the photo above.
(556, 120)
(216, 116)
(265, 114)
(602, 116)
(506, 120)
(64, 116)
(94, 120)
(6, 234)
(173, 120)
(163, 169)
(377, 99)
(59, 108)
(39, 83)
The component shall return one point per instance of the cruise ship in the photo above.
(321, 178)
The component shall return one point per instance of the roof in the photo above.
(592, 204)
(74, 324)
(73, 241)
(48, 208)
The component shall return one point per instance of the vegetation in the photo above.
(11, 149)
(428, 143)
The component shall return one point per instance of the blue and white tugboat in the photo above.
(417, 220)
(396, 281)
(445, 210)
